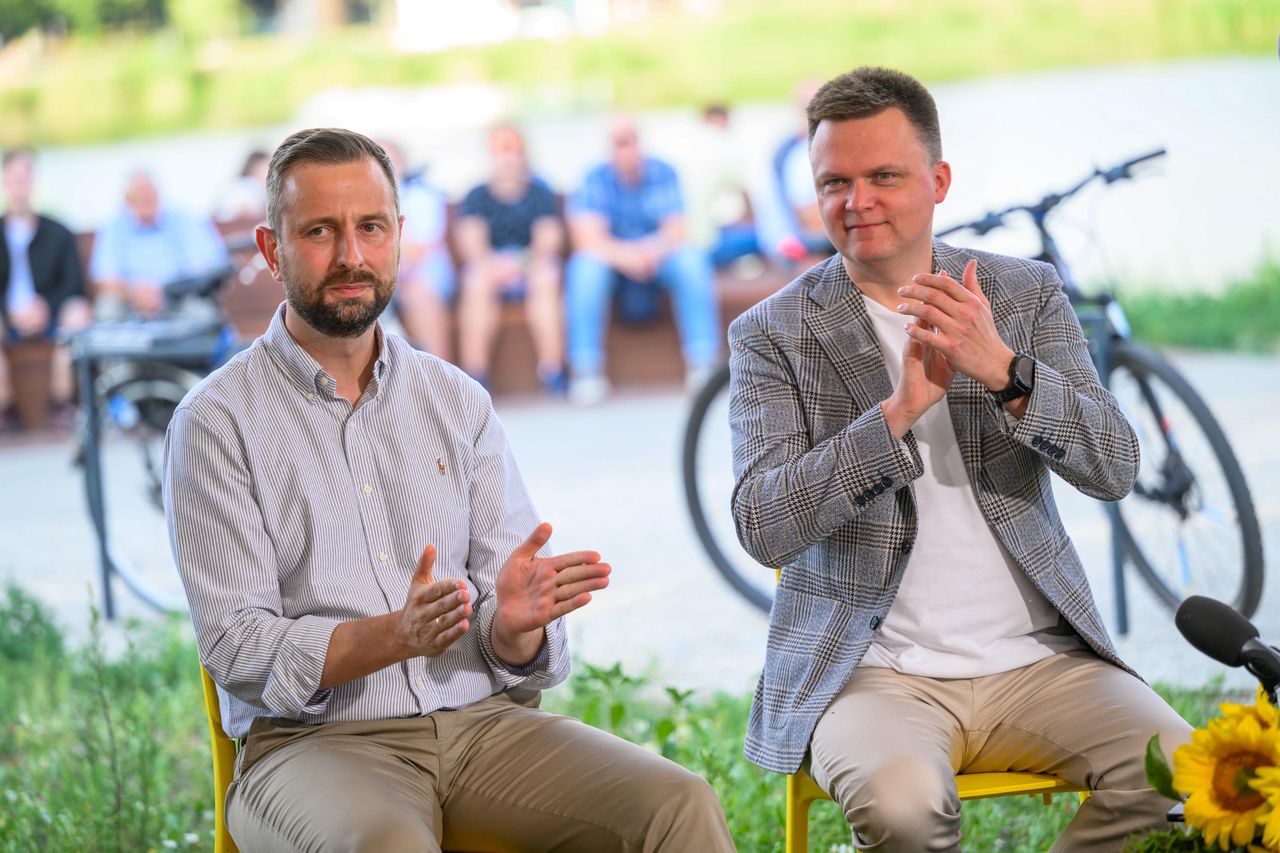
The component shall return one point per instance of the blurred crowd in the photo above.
(630, 231)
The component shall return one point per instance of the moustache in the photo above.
(338, 279)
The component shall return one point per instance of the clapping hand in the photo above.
(534, 591)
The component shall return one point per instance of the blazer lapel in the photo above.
(843, 330)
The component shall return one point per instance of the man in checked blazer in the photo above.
(896, 413)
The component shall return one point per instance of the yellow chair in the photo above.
(224, 760)
(803, 792)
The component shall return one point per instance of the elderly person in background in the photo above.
(144, 248)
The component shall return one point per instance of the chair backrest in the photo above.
(224, 760)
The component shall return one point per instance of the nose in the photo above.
(347, 250)
(860, 197)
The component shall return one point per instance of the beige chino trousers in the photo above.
(497, 775)
(888, 748)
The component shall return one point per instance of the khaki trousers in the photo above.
(888, 747)
(494, 776)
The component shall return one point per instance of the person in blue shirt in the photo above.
(41, 285)
(145, 247)
(628, 231)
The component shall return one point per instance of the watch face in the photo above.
(1024, 371)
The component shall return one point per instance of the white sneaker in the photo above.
(696, 377)
(589, 390)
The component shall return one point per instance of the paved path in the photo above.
(608, 478)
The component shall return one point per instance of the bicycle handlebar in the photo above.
(1040, 209)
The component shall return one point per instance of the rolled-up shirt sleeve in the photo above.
(502, 517)
(228, 565)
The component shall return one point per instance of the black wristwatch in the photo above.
(1022, 377)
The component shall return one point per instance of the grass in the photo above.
(112, 755)
(1245, 316)
(82, 89)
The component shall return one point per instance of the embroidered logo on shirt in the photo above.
(440, 465)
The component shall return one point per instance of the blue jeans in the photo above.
(686, 274)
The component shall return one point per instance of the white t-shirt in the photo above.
(964, 609)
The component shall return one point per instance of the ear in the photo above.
(941, 180)
(268, 245)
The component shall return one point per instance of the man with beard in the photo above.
(370, 585)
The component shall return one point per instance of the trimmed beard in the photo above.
(347, 318)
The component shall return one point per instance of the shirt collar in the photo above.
(305, 372)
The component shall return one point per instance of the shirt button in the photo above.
(367, 489)
(382, 557)
(311, 396)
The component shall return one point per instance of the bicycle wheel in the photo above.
(1189, 526)
(137, 400)
(708, 487)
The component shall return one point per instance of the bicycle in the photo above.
(138, 371)
(1189, 525)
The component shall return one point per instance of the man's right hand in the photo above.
(926, 375)
(146, 299)
(435, 613)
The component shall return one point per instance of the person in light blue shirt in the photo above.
(628, 230)
(145, 247)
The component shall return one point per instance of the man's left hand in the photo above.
(534, 591)
(956, 321)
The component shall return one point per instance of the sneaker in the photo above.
(555, 383)
(588, 390)
(696, 377)
(62, 416)
(9, 422)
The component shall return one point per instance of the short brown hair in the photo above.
(332, 145)
(869, 91)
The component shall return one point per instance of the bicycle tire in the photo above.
(697, 428)
(1174, 488)
(138, 399)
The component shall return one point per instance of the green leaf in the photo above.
(617, 711)
(1159, 776)
(665, 728)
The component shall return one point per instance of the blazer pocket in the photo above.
(806, 633)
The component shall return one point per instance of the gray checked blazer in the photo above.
(824, 491)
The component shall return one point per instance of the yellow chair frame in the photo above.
(224, 761)
(802, 792)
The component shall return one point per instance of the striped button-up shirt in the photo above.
(290, 511)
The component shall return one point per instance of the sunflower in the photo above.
(1267, 783)
(1216, 770)
(1261, 709)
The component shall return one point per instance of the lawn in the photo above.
(112, 754)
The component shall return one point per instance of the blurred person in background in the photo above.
(789, 224)
(511, 241)
(245, 198)
(41, 285)
(719, 213)
(426, 270)
(146, 246)
(628, 229)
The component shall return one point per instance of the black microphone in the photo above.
(1220, 632)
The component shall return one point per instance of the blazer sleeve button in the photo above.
(875, 622)
(886, 481)
(860, 500)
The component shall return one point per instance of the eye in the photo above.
(318, 231)
(371, 227)
(885, 177)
